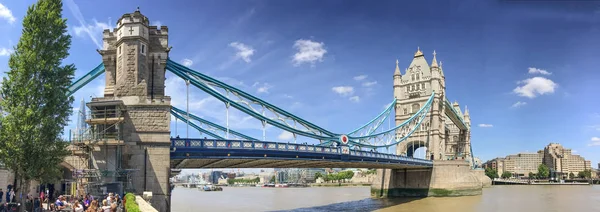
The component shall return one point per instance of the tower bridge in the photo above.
(129, 126)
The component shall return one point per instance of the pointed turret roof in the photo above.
(434, 61)
(397, 71)
(418, 53)
(466, 111)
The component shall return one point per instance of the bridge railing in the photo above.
(277, 146)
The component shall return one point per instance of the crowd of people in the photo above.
(88, 203)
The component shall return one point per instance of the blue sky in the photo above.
(526, 70)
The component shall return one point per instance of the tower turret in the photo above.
(467, 117)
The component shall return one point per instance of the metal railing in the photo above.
(276, 146)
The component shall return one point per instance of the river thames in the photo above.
(496, 198)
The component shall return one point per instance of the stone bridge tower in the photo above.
(412, 90)
(134, 55)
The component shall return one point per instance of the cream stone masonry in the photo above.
(135, 56)
(443, 139)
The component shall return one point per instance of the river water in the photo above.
(498, 198)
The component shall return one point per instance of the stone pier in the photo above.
(446, 178)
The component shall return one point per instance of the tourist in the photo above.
(93, 206)
(1, 195)
(60, 204)
(105, 206)
(77, 207)
(86, 202)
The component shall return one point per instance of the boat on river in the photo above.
(210, 188)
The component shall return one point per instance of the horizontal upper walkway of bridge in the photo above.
(211, 153)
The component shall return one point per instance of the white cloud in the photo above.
(187, 62)
(264, 88)
(308, 52)
(5, 13)
(285, 136)
(535, 86)
(243, 51)
(519, 104)
(369, 84)
(360, 77)
(288, 96)
(538, 71)
(93, 31)
(355, 99)
(343, 90)
(5, 51)
(595, 141)
(485, 125)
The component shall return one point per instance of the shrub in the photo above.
(130, 204)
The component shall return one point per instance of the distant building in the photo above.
(523, 163)
(559, 160)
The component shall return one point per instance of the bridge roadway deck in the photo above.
(210, 153)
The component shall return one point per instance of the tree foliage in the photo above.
(35, 99)
(232, 181)
(543, 171)
(339, 177)
(506, 175)
(491, 173)
(585, 174)
(571, 175)
(531, 175)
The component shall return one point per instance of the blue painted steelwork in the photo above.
(231, 149)
(377, 121)
(209, 85)
(196, 126)
(86, 79)
(461, 123)
(210, 124)
(383, 139)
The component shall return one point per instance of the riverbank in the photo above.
(338, 184)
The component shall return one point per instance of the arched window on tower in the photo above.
(415, 107)
(423, 84)
(455, 138)
(412, 77)
(405, 111)
(418, 76)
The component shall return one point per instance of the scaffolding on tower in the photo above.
(97, 135)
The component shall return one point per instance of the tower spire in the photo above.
(434, 61)
(418, 53)
(466, 111)
(397, 71)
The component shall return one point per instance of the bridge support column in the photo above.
(446, 178)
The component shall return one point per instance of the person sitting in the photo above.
(60, 205)
(78, 207)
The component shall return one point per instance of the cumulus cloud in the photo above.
(369, 84)
(187, 62)
(285, 136)
(343, 90)
(308, 52)
(264, 88)
(360, 77)
(243, 51)
(6, 14)
(595, 141)
(5, 51)
(485, 125)
(355, 99)
(519, 104)
(538, 71)
(535, 86)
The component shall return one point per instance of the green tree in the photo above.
(506, 175)
(531, 175)
(491, 173)
(543, 171)
(272, 179)
(317, 175)
(571, 175)
(35, 97)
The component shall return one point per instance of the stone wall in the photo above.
(153, 162)
(446, 178)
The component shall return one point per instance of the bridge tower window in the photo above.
(415, 107)
(405, 111)
(412, 77)
(417, 76)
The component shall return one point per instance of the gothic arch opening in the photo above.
(415, 107)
